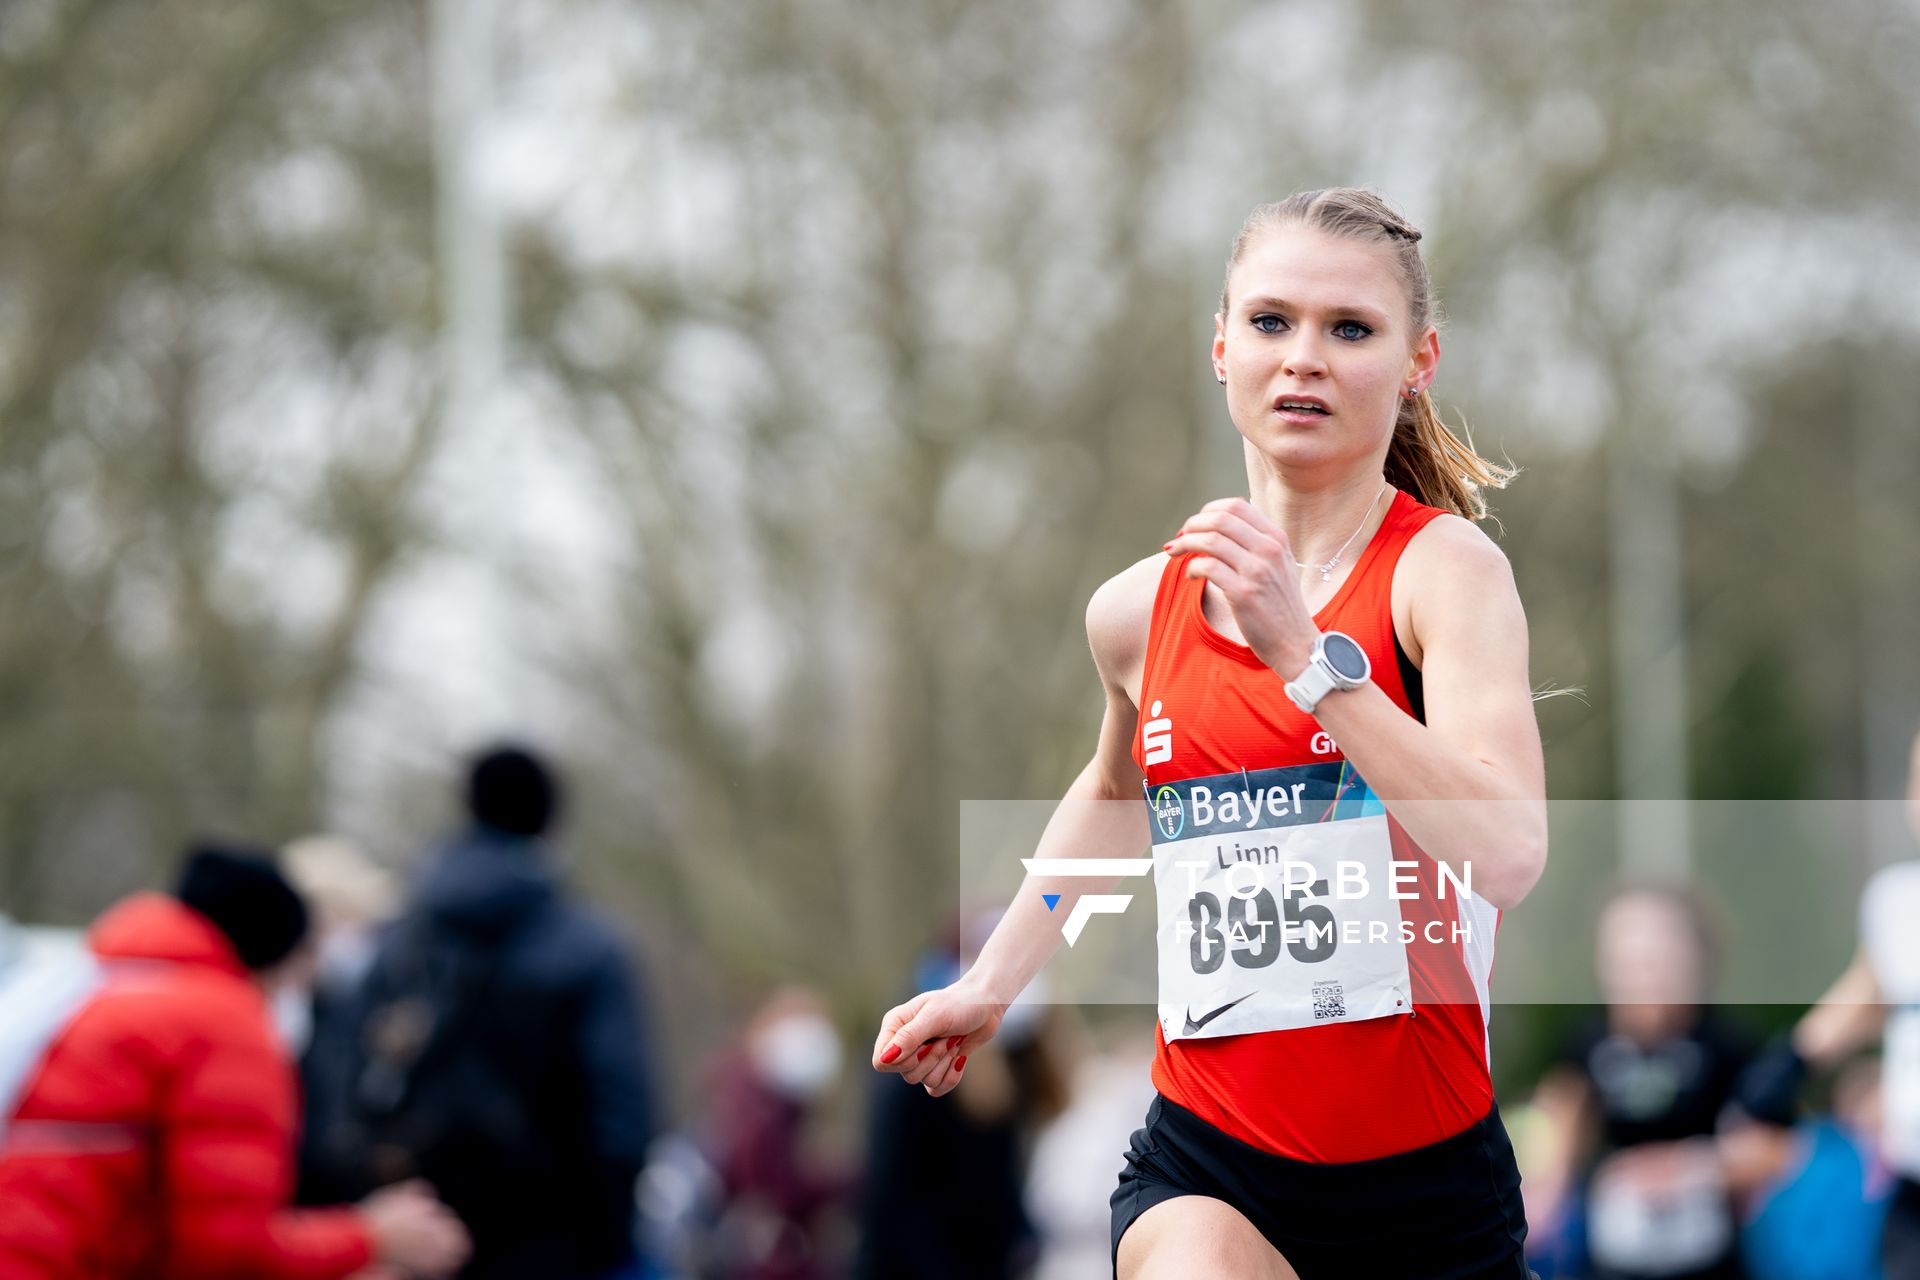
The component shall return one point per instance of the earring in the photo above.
(1223, 381)
(1413, 393)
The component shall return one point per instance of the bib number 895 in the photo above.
(1251, 930)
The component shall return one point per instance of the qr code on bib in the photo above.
(1329, 1000)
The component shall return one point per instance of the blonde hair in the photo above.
(1426, 458)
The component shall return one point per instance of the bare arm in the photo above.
(1849, 1017)
(1101, 814)
(927, 1038)
(1470, 782)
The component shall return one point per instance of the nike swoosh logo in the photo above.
(1195, 1025)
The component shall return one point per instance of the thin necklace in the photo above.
(1326, 570)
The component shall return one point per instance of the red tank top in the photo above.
(1341, 1091)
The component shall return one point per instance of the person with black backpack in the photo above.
(497, 1050)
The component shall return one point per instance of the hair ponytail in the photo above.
(1436, 466)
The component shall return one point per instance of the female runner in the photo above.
(1345, 638)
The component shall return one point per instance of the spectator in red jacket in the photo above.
(150, 1133)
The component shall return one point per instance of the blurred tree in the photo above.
(214, 406)
(877, 439)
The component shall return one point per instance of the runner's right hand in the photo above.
(413, 1232)
(927, 1039)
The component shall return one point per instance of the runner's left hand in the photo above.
(1249, 559)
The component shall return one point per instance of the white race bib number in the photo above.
(1660, 1210)
(1276, 902)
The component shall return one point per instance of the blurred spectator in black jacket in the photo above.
(498, 1049)
(1633, 1184)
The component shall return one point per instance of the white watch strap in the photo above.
(1311, 685)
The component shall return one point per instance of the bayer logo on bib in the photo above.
(1276, 908)
(1169, 815)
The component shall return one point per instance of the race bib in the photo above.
(1901, 1073)
(1277, 904)
(1660, 1210)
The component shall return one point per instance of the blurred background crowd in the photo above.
(484, 1037)
(741, 401)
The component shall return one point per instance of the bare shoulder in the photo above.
(1119, 616)
(1452, 568)
(1453, 543)
(1453, 559)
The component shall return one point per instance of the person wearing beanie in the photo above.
(147, 1107)
(243, 895)
(510, 790)
(523, 1093)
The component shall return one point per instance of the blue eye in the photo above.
(1348, 330)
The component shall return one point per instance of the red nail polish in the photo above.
(959, 1064)
(925, 1049)
(953, 1042)
(893, 1051)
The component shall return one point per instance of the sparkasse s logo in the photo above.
(1156, 736)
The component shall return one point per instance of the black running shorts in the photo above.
(1900, 1250)
(1450, 1211)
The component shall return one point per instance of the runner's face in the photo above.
(1311, 314)
(1648, 954)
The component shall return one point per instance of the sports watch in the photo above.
(1338, 662)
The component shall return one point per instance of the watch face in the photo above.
(1347, 659)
